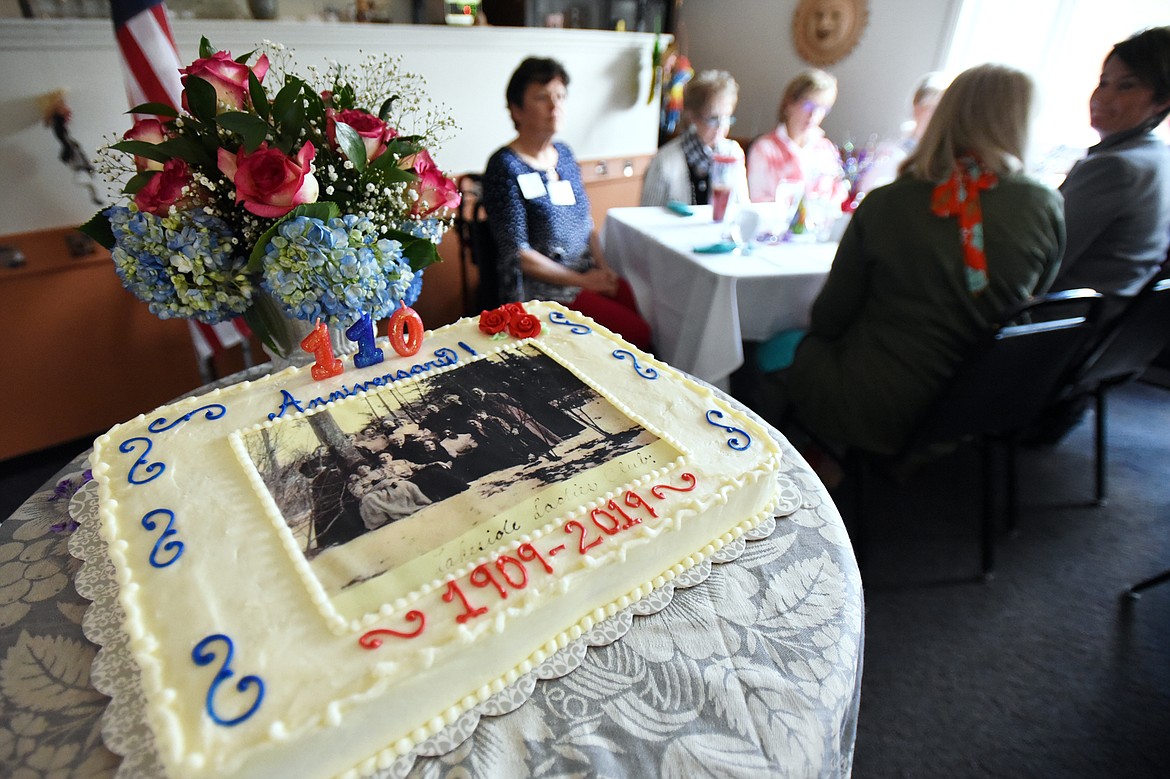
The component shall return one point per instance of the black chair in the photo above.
(1008, 378)
(476, 244)
(1125, 349)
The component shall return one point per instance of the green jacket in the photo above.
(895, 318)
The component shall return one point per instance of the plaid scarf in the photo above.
(698, 158)
(959, 196)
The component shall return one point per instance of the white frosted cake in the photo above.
(318, 575)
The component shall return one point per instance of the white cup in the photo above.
(749, 224)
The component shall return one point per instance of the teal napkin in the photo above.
(723, 247)
(680, 208)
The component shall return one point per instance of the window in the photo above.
(1062, 44)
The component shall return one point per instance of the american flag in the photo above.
(149, 54)
(151, 61)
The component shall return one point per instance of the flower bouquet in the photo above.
(319, 202)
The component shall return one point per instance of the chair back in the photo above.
(1012, 374)
(1131, 342)
(476, 243)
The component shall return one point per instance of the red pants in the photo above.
(619, 313)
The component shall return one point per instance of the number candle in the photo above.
(317, 344)
(361, 332)
(405, 343)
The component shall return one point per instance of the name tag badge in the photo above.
(560, 192)
(531, 185)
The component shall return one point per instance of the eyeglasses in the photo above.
(716, 121)
(813, 106)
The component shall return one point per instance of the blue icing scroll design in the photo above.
(153, 470)
(713, 417)
(203, 657)
(174, 546)
(645, 371)
(214, 411)
(576, 328)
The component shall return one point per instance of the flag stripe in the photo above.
(151, 57)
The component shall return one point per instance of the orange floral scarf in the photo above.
(959, 196)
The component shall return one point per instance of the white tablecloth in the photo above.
(701, 307)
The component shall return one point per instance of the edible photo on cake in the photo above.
(403, 485)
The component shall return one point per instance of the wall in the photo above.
(753, 40)
(466, 69)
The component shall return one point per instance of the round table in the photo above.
(753, 671)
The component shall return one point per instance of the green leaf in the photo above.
(351, 145)
(157, 109)
(200, 99)
(258, 96)
(138, 181)
(404, 146)
(190, 150)
(98, 228)
(151, 151)
(419, 251)
(384, 111)
(386, 169)
(324, 211)
(205, 48)
(250, 127)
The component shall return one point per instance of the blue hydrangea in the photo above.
(335, 271)
(182, 265)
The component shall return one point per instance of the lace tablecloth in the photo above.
(752, 670)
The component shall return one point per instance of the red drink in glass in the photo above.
(720, 196)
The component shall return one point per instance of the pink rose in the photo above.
(434, 190)
(164, 188)
(268, 183)
(147, 131)
(230, 78)
(375, 133)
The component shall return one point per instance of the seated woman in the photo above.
(926, 265)
(797, 150)
(1117, 198)
(680, 171)
(539, 212)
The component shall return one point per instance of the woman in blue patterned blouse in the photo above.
(540, 216)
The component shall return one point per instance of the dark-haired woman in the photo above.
(1117, 198)
(539, 211)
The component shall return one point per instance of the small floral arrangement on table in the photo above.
(273, 197)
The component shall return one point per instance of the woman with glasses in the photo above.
(680, 171)
(797, 150)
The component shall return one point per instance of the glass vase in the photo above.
(281, 335)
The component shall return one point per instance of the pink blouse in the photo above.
(775, 157)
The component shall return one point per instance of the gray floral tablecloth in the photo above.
(753, 671)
